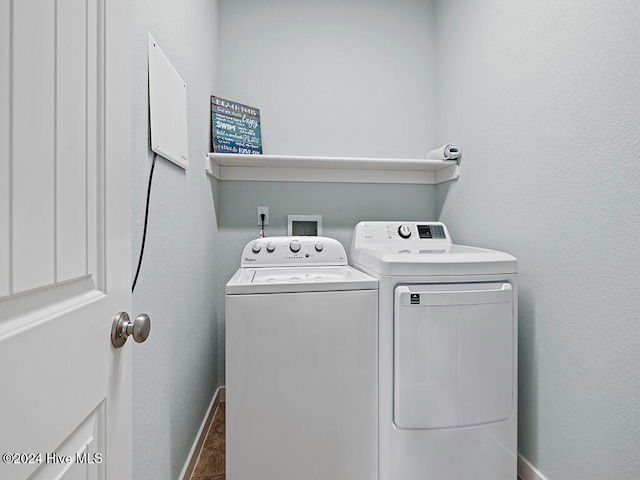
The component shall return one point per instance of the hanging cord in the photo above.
(146, 218)
(262, 223)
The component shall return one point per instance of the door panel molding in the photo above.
(22, 311)
(55, 143)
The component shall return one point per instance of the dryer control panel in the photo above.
(389, 235)
(288, 251)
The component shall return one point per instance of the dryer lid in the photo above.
(456, 260)
(384, 248)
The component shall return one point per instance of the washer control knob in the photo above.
(294, 246)
(256, 248)
(319, 246)
(404, 231)
(271, 247)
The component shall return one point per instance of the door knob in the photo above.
(122, 327)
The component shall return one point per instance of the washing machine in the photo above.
(447, 353)
(301, 363)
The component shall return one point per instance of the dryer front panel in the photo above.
(453, 355)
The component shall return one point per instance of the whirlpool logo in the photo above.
(415, 299)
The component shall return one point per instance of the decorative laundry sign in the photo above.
(235, 128)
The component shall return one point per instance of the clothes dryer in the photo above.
(447, 353)
(301, 363)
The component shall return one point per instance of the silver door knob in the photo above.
(122, 327)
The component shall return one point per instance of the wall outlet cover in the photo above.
(264, 210)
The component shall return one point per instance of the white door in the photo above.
(65, 392)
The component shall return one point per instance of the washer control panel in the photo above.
(419, 234)
(288, 251)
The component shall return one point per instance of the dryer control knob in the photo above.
(271, 247)
(319, 246)
(294, 246)
(256, 248)
(404, 231)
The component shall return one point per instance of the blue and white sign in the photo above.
(235, 128)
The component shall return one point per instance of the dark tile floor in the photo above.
(211, 463)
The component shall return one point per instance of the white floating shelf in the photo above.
(294, 168)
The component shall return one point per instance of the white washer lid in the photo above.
(248, 281)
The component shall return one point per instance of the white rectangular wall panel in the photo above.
(168, 108)
(71, 144)
(33, 143)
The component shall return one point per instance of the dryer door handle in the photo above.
(423, 296)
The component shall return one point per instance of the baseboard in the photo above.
(196, 448)
(526, 471)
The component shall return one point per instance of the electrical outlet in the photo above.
(264, 210)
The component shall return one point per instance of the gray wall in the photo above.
(353, 78)
(545, 99)
(333, 77)
(175, 370)
(251, 52)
